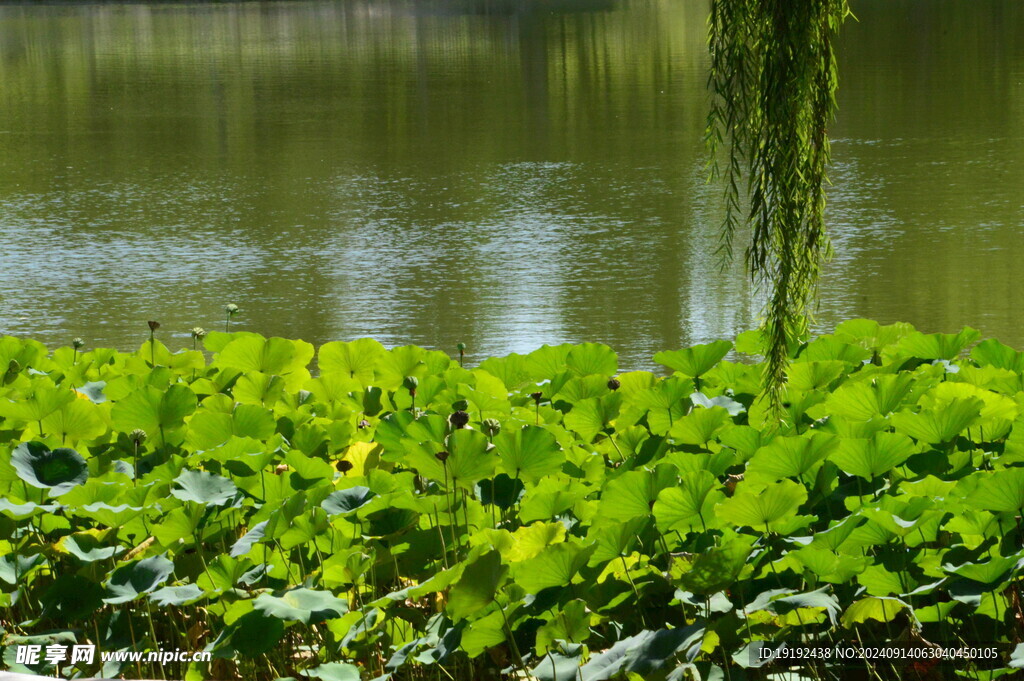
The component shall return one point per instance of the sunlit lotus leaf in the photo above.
(529, 452)
(308, 606)
(357, 359)
(873, 457)
(690, 505)
(763, 507)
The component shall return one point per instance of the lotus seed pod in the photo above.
(441, 456)
(461, 347)
(153, 326)
(491, 427)
(614, 384)
(231, 308)
(460, 405)
(458, 419)
(77, 343)
(138, 436)
(536, 396)
(198, 332)
(411, 383)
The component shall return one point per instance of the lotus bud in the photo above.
(614, 384)
(458, 419)
(198, 332)
(461, 347)
(491, 427)
(344, 466)
(138, 436)
(536, 396)
(411, 383)
(460, 405)
(441, 456)
(153, 326)
(77, 343)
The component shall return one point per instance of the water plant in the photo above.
(399, 515)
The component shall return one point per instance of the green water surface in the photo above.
(501, 173)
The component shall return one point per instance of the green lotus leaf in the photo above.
(863, 401)
(763, 507)
(695, 361)
(873, 457)
(825, 348)
(690, 505)
(554, 566)
(255, 534)
(45, 400)
(266, 355)
(560, 665)
(613, 538)
(873, 608)
(530, 453)
(992, 571)
(72, 598)
(715, 569)
(730, 405)
(592, 358)
(28, 509)
(993, 353)
(999, 491)
(807, 376)
(346, 501)
(303, 605)
(591, 416)
(15, 568)
(151, 409)
(176, 595)
(128, 582)
(87, 547)
(333, 671)
(790, 457)
(570, 623)
(76, 420)
(204, 488)
(937, 345)
(58, 471)
(357, 359)
(93, 391)
(938, 426)
(476, 588)
(252, 634)
(700, 426)
(633, 494)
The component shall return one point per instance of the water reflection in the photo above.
(479, 171)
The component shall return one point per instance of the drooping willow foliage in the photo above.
(773, 83)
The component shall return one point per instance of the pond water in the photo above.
(505, 173)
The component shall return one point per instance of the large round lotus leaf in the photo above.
(130, 581)
(304, 605)
(695, 361)
(333, 671)
(204, 488)
(529, 453)
(348, 500)
(151, 409)
(476, 588)
(357, 359)
(592, 358)
(57, 470)
(762, 507)
(690, 505)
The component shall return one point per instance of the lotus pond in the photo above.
(400, 515)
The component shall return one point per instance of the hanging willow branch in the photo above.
(773, 83)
